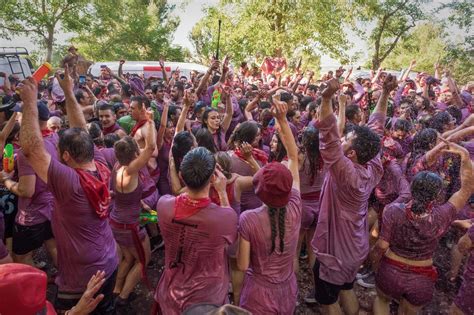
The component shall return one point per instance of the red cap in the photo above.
(273, 184)
(24, 287)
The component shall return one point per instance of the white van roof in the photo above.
(148, 68)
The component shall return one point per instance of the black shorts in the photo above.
(327, 293)
(65, 301)
(29, 238)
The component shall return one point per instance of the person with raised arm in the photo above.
(35, 203)
(5, 257)
(354, 168)
(138, 109)
(410, 234)
(79, 183)
(268, 235)
(196, 233)
(128, 183)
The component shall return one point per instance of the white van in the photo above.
(13, 61)
(148, 68)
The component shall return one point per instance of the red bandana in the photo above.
(186, 207)
(258, 154)
(97, 189)
(137, 126)
(46, 133)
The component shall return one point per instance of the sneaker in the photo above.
(310, 299)
(363, 273)
(368, 282)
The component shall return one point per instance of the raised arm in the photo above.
(469, 122)
(459, 198)
(73, 109)
(410, 67)
(163, 70)
(389, 84)
(164, 121)
(253, 104)
(205, 79)
(7, 130)
(332, 86)
(454, 90)
(120, 68)
(280, 110)
(341, 115)
(229, 110)
(150, 147)
(187, 101)
(30, 135)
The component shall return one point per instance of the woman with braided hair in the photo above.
(269, 234)
(410, 234)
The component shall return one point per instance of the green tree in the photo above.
(393, 21)
(425, 43)
(130, 29)
(251, 28)
(42, 20)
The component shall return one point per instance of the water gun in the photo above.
(42, 71)
(147, 217)
(216, 98)
(8, 158)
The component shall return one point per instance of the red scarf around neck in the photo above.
(46, 133)
(185, 207)
(97, 189)
(137, 126)
(258, 154)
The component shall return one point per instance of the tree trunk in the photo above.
(49, 45)
(375, 63)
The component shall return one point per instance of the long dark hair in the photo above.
(272, 212)
(204, 139)
(310, 149)
(280, 153)
(205, 117)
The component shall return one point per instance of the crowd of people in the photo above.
(246, 168)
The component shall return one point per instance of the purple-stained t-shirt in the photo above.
(150, 193)
(271, 272)
(39, 207)
(196, 268)
(219, 140)
(415, 239)
(406, 144)
(393, 187)
(310, 189)
(255, 227)
(464, 298)
(248, 199)
(341, 240)
(84, 241)
(109, 155)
